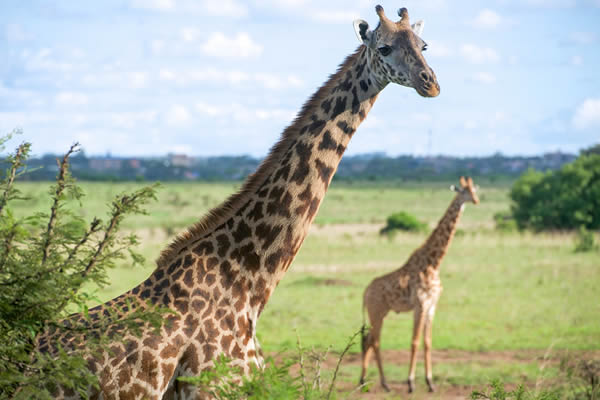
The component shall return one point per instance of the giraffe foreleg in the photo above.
(427, 344)
(419, 320)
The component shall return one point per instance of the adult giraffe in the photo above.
(220, 273)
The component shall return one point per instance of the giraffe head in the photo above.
(395, 53)
(467, 190)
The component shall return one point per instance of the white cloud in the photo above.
(131, 119)
(43, 60)
(551, 3)
(26, 97)
(437, 49)
(239, 46)
(220, 8)
(479, 55)
(483, 77)
(487, 19)
(336, 17)
(157, 46)
(178, 115)
(582, 38)
(244, 114)
(576, 60)
(71, 99)
(214, 75)
(470, 124)
(190, 34)
(231, 77)
(209, 109)
(422, 117)
(156, 5)
(271, 81)
(285, 4)
(16, 33)
(587, 114)
(138, 80)
(180, 149)
(225, 8)
(166, 75)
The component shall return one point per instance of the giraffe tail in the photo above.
(364, 332)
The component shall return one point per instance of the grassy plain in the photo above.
(503, 292)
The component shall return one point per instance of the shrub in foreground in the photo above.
(46, 261)
(275, 380)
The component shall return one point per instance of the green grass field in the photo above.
(503, 292)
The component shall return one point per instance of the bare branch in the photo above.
(339, 362)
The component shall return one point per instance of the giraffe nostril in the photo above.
(424, 76)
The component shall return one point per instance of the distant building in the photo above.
(180, 160)
(103, 164)
(135, 163)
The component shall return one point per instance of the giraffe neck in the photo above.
(251, 239)
(439, 240)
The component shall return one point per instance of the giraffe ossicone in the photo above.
(414, 286)
(219, 274)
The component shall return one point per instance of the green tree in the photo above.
(564, 199)
(46, 261)
(595, 149)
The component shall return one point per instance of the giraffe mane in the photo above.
(219, 214)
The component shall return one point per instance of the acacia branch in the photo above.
(61, 184)
(94, 227)
(8, 245)
(12, 173)
(120, 207)
(105, 240)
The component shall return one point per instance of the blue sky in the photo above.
(204, 77)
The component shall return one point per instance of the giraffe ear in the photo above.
(364, 35)
(454, 188)
(417, 27)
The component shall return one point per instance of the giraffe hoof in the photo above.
(430, 385)
(411, 386)
(385, 386)
(361, 381)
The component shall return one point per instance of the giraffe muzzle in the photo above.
(427, 85)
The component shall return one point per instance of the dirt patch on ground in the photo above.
(335, 282)
(348, 389)
(344, 229)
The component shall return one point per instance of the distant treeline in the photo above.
(376, 166)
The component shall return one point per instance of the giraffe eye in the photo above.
(385, 50)
(424, 47)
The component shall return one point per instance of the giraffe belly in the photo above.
(401, 305)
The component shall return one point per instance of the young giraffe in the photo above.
(219, 275)
(415, 286)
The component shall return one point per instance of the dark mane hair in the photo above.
(229, 207)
